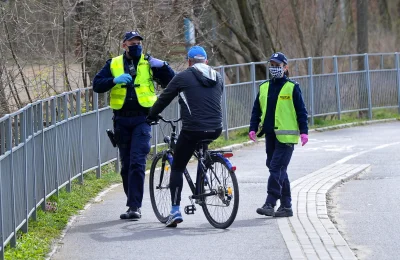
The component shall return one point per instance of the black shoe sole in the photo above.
(262, 212)
(124, 216)
(283, 215)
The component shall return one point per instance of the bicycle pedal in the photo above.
(190, 209)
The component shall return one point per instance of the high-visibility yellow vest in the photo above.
(286, 126)
(144, 86)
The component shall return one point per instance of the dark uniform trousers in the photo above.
(278, 158)
(133, 136)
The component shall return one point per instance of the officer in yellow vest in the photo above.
(130, 78)
(280, 111)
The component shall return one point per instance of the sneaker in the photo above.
(284, 212)
(174, 219)
(131, 213)
(266, 210)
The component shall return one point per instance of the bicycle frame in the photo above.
(203, 156)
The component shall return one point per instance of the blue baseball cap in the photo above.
(197, 52)
(132, 34)
(278, 57)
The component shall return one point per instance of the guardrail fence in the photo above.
(49, 143)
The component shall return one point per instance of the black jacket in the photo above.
(103, 82)
(200, 98)
(275, 86)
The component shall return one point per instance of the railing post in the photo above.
(34, 126)
(398, 78)
(79, 111)
(253, 79)
(24, 228)
(96, 108)
(366, 64)
(13, 241)
(336, 71)
(351, 63)
(311, 89)
(224, 105)
(1, 203)
(54, 119)
(237, 74)
(43, 149)
(68, 139)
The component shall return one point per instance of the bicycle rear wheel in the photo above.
(159, 187)
(220, 209)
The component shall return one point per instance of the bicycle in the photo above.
(216, 186)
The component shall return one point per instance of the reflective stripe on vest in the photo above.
(286, 126)
(144, 84)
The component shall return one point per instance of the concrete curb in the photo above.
(57, 243)
(322, 129)
(310, 234)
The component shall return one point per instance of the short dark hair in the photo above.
(194, 61)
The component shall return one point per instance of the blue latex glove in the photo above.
(156, 63)
(123, 79)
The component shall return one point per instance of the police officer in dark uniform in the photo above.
(130, 78)
(280, 111)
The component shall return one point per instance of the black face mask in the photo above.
(135, 50)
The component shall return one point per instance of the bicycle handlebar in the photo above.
(169, 121)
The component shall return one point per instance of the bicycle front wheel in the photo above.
(220, 209)
(159, 187)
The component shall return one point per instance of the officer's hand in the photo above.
(123, 79)
(156, 63)
(151, 120)
(252, 136)
(304, 139)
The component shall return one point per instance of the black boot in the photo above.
(267, 210)
(131, 213)
(284, 212)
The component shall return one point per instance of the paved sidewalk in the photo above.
(310, 234)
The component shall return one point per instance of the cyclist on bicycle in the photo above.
(200, 97)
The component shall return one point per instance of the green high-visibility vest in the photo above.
(286, 126)
(144, 86)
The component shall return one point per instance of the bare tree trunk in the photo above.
(64, 50)
(384, 13)
(398, 25)
(326, 14)
(294, 6)
(362, 46)
(362, 30)
(4, 108)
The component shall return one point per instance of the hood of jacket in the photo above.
(205, 74)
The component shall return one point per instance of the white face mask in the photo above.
(276, 72)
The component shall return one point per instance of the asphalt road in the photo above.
(360, 207)
(367, 209)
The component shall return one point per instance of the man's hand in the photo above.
(156, 63)
(304, 139)
(150, 120)
(123, 79)
(252, 135)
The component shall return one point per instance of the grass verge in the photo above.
(37, 242)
